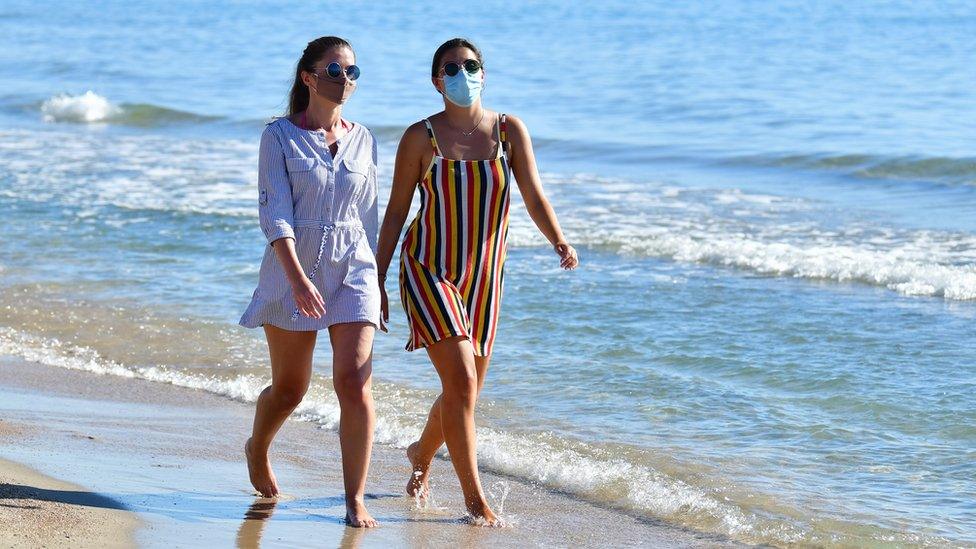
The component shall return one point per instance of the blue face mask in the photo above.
(463, 88)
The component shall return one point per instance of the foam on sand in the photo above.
(573, 467)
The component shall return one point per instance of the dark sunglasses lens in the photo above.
(334, 70)
(451, 69)
(352, 71)
(472, 66)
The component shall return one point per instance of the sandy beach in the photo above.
(41, 511)
(158, 465)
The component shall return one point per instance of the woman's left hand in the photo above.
(384, 306)
(569, 260)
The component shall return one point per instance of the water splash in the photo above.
(498, 493)
(424, 502)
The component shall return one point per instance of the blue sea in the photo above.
(770, 338)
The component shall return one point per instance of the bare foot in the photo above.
(417, 486)
(259, 469)
(358, 517)
(481, 515)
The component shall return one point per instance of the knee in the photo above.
(461, 387)
(351, 386)
(288, 396)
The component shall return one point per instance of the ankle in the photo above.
(421, 461)
(255, 449)
(356, 501)
(478, 507)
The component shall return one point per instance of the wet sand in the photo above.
(173, 458)
(40, 511)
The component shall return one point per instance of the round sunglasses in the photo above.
(471, 66)
(334, 70)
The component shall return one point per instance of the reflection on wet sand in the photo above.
(255, 520)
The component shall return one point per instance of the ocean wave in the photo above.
(834, 262)
(573, 467)
(957, 170)
(765, 234)
(758, 232)
(90, 107)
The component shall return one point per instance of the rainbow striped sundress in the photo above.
(453, 256)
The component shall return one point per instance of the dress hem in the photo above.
(410, 347)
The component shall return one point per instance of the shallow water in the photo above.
(771, 336)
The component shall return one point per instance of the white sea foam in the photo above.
(87, 107)
(765, 234)
(839, 262)
(141, 172)
(571, 467)
(762, 233)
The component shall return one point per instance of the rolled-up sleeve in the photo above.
(371, 220)
(276, 209)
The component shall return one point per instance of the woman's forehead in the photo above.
(339, 54)
(458, 54)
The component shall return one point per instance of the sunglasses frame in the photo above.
(356, 71)
(462, 66)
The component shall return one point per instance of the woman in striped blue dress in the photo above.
(317, 203)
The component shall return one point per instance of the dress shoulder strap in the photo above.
(502, 135)
(433, 140)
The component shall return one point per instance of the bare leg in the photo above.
(454, 360)
(352, 366)
(291, 370)
(422, 452)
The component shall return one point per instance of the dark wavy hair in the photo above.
(435, 65)
(298, 98)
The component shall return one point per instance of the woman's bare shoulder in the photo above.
(415, 136)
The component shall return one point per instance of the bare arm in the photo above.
(406, 175)
(530, 186)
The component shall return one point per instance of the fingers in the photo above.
(384, 310)
(318, 303)
(310, 303)
(569, 260)
(308, 309)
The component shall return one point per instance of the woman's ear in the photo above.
(438, 84)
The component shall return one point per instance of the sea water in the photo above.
(771, 336)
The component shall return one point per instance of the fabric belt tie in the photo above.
(327, 228)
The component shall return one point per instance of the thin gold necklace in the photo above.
(476, 126)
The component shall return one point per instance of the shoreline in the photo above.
(170, 455)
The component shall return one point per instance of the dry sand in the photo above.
(172, 457)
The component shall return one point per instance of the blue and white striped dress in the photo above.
(328, 205)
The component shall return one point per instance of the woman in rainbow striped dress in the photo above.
(453, 256)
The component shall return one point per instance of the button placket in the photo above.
(330, 196)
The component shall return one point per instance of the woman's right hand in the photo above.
(307, 298)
